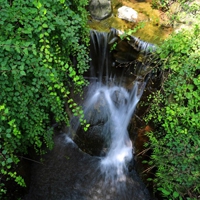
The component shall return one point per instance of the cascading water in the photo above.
(120, 105)
(69, 173)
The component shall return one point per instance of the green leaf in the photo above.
(9, 160)
(37, 4)
(175, 194)
(25, 51)
(8, 135)
(164, 191)
(44, 25)
(41, 35)
(22, 73)
(4, 152)
(17, 48)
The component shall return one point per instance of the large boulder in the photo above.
(100, 9)
(94, 140)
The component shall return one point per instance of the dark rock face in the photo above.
(100, 9)
(130, 56)
(96, 139)
(69, 174)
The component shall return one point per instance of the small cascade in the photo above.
(120, 105)
(99, 52)
(109, 52)
(110, 102)
(121, 150)
(141, 46)
(95, 164)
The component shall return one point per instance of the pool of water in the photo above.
(155, 28)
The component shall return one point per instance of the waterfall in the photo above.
(94, 164)
(119, 105)
(121, 150)
(100, 55)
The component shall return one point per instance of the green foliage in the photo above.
(43, 54)
(78, 111)
(165, 4)
(175, 113)
(177, 8)
(161, 4)
(127, 33)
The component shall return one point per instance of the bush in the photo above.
(43, 54)
(175, 113)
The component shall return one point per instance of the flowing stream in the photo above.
(69, 172)
(120, 105)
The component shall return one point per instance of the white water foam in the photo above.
(120, 104)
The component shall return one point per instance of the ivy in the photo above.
(43, 55)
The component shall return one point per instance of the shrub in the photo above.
(43, 54)
(175, 113)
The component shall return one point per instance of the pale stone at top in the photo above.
(127, 13)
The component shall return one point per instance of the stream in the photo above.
(100, 163)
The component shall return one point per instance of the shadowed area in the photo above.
(68, 173)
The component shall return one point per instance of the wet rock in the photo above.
(96, 139)
(127, 13)
(137, 44)
(68, 173)
(100, 9)
(109, 49)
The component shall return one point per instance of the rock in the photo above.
(127, 13)
(100, 9)
(68, 173)
(97, 139)
(175, 8)
(137, 44)
(186, 19)
(123, 58)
